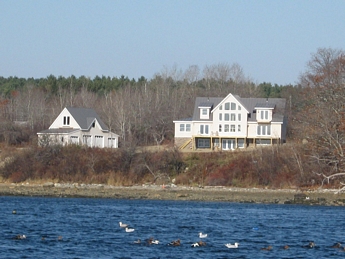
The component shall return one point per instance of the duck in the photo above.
(286, 247)
(310, 245)
(128, 230)
(336, 245)
(235, 245)
(201, 243)
(175, 243)
(20, 237)
(137, 241)
(14, 212)
(195, 244)
(269, 248)
(122, 225)
(152, 241)
(201, 235)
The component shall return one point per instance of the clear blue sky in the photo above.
(271, 40)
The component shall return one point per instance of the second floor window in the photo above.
(66, 120)
(264, 115)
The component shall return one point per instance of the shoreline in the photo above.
(178, 193)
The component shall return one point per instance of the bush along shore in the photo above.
(174, 192)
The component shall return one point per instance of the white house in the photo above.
(232, 122)
(81, 126)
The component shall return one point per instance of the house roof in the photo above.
(278, 103)
(248, 103)
(85, 117)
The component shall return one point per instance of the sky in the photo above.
(271, 40)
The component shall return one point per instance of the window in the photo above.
(66, 120)
(181, 127)
(204, 130)
(204, 112)
(264, 130)
(239, 117)
(188, 127)
(233, 116)
(227, 106)
(221, 107)
(204, 143)
(232, 128)
(233, 106)
(220, 116)
(226, 117)
(239, 127)
(220, 128)
(239, 108)
(264, 115)
(226, 128)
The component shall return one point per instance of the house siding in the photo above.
(94, 133)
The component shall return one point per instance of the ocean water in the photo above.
(89, 228)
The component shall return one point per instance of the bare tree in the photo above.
(324, 112)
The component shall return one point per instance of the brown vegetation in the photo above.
(271, 167)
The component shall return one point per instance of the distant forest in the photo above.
(142, 112)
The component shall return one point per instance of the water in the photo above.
(90, 229)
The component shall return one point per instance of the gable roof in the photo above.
(250, 104)
(85, 117)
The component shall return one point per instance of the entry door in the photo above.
(228, 144)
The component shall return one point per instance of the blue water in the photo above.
(90, 229)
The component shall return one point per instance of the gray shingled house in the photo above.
(232, 122)
(80, 126)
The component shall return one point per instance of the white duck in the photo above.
(195, 244)
(232, 245)
(122, 225)
(201, 235)
(129, 230)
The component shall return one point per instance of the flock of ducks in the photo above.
(177, 242)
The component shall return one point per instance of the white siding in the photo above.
(183, 134)
(58, 123)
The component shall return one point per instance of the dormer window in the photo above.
(264, 115)
(66, 120)
(205, 109)
(204, 113)
(264, 112)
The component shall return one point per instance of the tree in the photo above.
(323, 114)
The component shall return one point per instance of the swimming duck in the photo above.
(286, 247)
(175, 243)
(269, 248)
(232, 245)
(201, 235)
(20, 237)
(195, 244)
(152, 241)
(201, 243)
(310, 245)
(122, 225)
(137, 241)
(128, 230)
(336, 245)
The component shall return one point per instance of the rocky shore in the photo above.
(173, 192)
